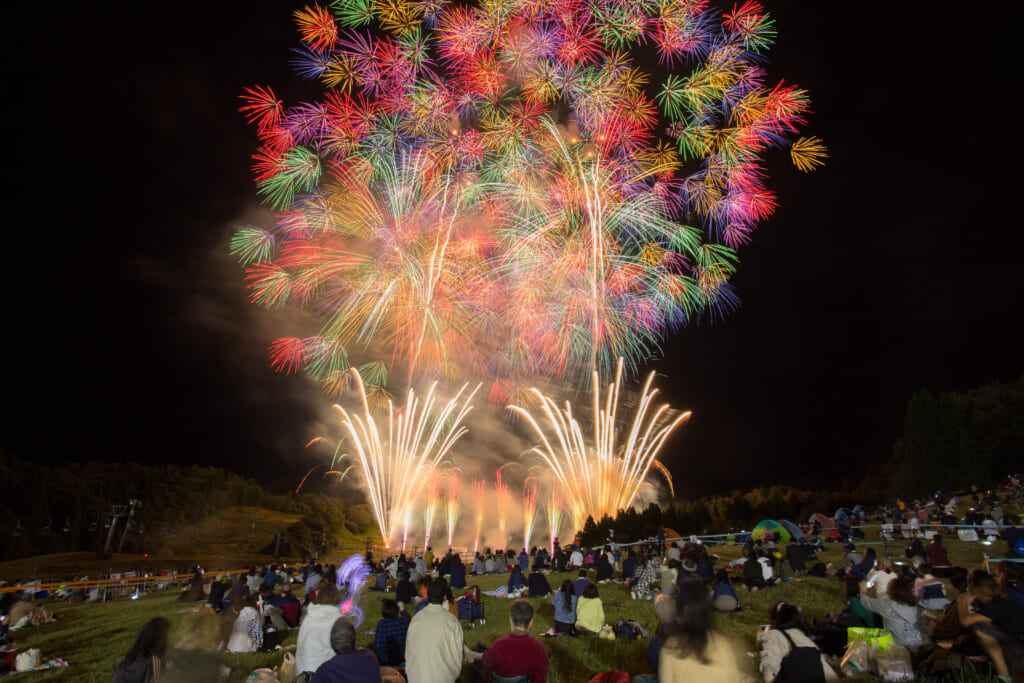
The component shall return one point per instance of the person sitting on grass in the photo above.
(855, 613)
(348, 665)
(723, 594)
(668, 626)
(519, 653)
(589, 611)
(753, 575)
(565, 609)
(405, 589)
(695, 652)
(645, 576)
(313, 646)
(433, 644)
(457, 572)
(580, 583)
(144, 662)
(538, 584)
(930, 591)
(629, 565)
(247, 631)
(516, 580)
(785, 646)
(389, 636)
(900, 613)
(937, 556)
(996, 624)
(669, 572)
(605, 566)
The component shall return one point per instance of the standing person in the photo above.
(519, 653)
(313, 578)
(695, 652)
(348, 665)
(589, 611)
(313, 647)
(433, 646)
(565, 609)
(144, 662)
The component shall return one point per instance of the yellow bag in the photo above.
(878, 639)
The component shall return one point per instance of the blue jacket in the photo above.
(563, 614)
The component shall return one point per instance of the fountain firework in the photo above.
(451, 505)
(554, 515)
(529, 513)
(502, 497)
(430, 506)
(602, 478)
(396, 464)
(479, 500)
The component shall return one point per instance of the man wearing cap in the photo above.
(433, 646)
(349, 665)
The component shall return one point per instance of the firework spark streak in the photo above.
(430, 509)
(529, 513)
(479, 501)
(553, 509)
(451, 505)
(502, 497)
(600, 477)
(396, 463)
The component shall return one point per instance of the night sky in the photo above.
(128, 335)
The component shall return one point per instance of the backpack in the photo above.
(819, 569)
(627, 630)
(801, 665)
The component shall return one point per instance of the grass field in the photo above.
(93, 637)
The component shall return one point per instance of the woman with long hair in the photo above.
(144, 663)
(565, 609)
(787, 653)
(696, 652)
(901, 615)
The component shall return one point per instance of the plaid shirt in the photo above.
(390, 639)
(644, 577)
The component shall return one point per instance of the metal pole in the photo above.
(131, 512)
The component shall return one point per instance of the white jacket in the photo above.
(314, 644)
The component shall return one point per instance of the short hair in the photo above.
(521, 613)
(435, 591)
(901, 590)
(343, 636)
(583, 572)
(389, 609)
(590, 590)
(327, 593)
(984, 585)
(924, 569)
(852, 585)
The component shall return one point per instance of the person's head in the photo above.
(937, 538)
(901, 590)
(520, 615)
(721, 576)
(870, 553)
(152, 640)
(665, 608)
(590, 590)
(693, 612)
(852, 585)
(786, 615)
(327, 594)
(983, 586)
(1008, 573)
(389, 609)
(566, 587)
(924, 569)
(343, 636)
(583, 573)
(436, 591)
(405, 576)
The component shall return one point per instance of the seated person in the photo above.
(538, 584)
(565, 609)
(723, 595)
(589, 611)
(348, 665)
(643, 579)
(668, 626)
(930, 591)
(516, 580)
(787, 633)
(479, 566)
(937, 557)
(753, 576)
(856, 614)
(457, 572)
(996, 624)
(519, 653)
(580, 583)
(405, 590)
(218, 589)
(247, 631)
(389, 636)
(901, 615)
(629, 565)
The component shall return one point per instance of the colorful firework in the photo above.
(479, 505)
(529, 513)
(502, 498)
(600, 477)
(430, 506)
(488, 191)
(397, 463)
(553, 509)
(451, 505)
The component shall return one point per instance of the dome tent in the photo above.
(779, 533)
(794, 531)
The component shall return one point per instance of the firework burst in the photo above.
(396, 462)
(600, 477)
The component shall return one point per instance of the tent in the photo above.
(824, 521)
(794, 531)
(766, 526)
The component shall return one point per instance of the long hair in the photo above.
(566, 593)
(695, 616)
(152, 642)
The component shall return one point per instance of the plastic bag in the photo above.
(857, 660)
(27, 660)
(877, 639)
(895, 665)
